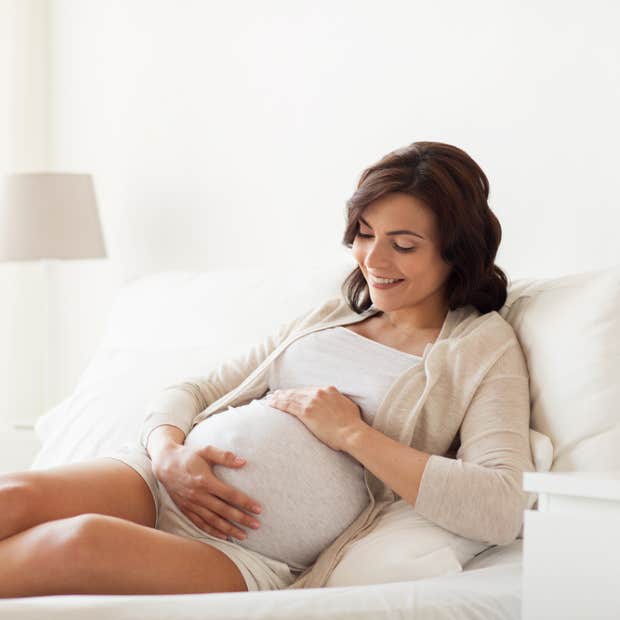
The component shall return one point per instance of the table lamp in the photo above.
(49, 216)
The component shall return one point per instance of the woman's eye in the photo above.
(396, 246)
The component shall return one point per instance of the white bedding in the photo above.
(489, 588)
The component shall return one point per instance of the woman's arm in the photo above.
(178, 404)
(397, 465)
(162, 438)
(479, 494)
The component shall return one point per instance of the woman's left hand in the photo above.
(326, 412)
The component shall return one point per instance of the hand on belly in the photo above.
(309, 492)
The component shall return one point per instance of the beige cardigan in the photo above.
(470, 393)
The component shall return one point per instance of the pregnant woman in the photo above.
(409, 386)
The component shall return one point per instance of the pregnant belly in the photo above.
(309, 493)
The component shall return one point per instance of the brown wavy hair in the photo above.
(454, 187)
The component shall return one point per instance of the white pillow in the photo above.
(569, 329)
(216, 309)
(403, 546)
(107, 408)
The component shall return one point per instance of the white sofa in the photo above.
(169, 326)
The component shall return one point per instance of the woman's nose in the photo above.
(376, 257)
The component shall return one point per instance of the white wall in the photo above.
(198, 118)
(231, 134)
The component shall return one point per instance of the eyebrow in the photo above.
(395, 232)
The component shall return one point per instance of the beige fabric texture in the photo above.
(470, 393)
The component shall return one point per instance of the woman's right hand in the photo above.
(206, 501)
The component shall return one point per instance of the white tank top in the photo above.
(309, 492)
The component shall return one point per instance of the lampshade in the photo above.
(49, 215)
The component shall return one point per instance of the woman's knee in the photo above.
(76, 540)
(18, 501)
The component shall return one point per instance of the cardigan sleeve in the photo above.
(479, 494)
(178, 404)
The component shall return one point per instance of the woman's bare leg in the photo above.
(103, 486)
(96, 554)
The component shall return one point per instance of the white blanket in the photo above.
(489, 588)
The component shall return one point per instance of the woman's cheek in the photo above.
(357, 253)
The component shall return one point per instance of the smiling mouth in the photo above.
(385, 286)
(374, 280)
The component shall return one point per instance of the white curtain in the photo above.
(24, 146)
(24, 84)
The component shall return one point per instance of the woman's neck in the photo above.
(414, 320)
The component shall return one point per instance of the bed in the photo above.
(165, 327)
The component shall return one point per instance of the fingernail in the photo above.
(256, 508)
(239, 459)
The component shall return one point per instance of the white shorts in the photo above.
(259, 571)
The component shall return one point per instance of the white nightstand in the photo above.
(18, 447)
(571, 547)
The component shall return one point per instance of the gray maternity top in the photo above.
(309, 493)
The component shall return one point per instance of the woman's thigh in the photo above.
(102, 485)
(106, 555)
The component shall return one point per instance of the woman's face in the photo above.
(413, 257)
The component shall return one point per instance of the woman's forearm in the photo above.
(162, 438)
(398, 466)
